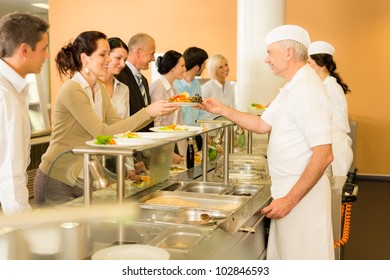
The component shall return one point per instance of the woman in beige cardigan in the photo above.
(83, 111)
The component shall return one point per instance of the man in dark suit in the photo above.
(141, 52)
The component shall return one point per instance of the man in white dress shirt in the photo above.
(23, 50)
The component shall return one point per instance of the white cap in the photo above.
(288, 32)
(321, 47)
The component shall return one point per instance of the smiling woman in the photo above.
(83, 110)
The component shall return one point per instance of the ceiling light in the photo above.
(40, 5)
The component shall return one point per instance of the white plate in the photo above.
(175, 168)
(147, 135)
(123, 142)
(183, 129)
(185, 103)
(131, 252)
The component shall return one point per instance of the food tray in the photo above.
(204, 187)
(166, 199)
(182, 239)
(244, 190)
(185, 216)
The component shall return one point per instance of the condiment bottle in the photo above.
(190, 153)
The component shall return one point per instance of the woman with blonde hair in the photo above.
(218, 87)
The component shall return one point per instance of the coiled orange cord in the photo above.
(346, 209)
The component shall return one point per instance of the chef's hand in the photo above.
(278, 208)
(161, 108)
(211, 105)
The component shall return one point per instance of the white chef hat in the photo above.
(321, 47)
(288, 32)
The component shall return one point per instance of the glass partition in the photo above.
(38, 111)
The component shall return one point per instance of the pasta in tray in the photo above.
(172, 201)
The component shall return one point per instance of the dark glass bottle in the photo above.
(190, 153)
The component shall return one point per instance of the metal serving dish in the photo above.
(183, 216)
(197, 187)
(244, 190)
(204, 187)
(166, 199)
(158, 216)
(175, 186)
(200, 217)
(179, 239)
(131, 232)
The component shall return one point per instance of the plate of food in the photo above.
(177, 169)
(184, 99)
(111, 142)
(128, 134)
(131, 252)
(144, 135)
(181, 104)
(176, 128)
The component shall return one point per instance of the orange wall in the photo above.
(358, 30)
(174, 24)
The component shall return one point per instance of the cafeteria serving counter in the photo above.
(191, 219)
(78, 232)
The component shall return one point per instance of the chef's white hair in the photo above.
(300, 50)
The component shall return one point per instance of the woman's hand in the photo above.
(161, 108)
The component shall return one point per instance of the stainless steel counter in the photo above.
(62, 234)
(123, 215)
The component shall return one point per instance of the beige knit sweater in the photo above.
(75, 122)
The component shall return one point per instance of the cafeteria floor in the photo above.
(369, 237)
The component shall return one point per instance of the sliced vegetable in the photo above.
(182, 97)
(130, 134)
(169, 127)
(258, 106)
(105, 140)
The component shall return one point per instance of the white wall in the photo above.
(255, 81)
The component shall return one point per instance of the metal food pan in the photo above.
(244, 190)
(182, 239)
(201, 217)
(174, 186)
(197, 187)
(153, 215)
(185, 216)
(204, 187)
(166, 199)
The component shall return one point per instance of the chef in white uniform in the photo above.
(299, 150)
(321, 60)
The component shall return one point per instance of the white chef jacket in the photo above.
(225, 95)
(14, 141)
(300, 117)
(341, 142)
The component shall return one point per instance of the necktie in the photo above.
(141, 87)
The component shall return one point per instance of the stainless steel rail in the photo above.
(121, 153)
